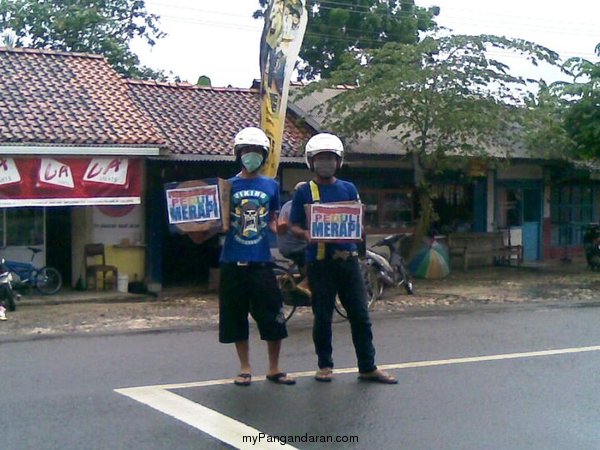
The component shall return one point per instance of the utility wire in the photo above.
(344, 39)
(349, 40)
(510, 19)
(509, 25)
(192, 19)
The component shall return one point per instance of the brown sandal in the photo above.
(378, 376)
(324, 375)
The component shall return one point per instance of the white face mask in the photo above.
(325, 168)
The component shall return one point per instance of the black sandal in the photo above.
(281, 378)
(246, 379)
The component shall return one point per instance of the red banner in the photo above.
(56, 181)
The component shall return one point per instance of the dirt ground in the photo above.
(562, 284)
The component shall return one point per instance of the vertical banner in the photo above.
(285, 23)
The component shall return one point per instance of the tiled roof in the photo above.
(203, 121)
(70, 99)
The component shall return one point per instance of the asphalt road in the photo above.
(61, 392)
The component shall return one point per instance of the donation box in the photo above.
(198, 207)
(335, 222)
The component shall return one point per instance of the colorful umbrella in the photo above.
(431, 261)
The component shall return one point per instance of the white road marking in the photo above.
(474, 359)
(231, 431)
(208, 420)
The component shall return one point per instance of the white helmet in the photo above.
(251, 137)
(323, 142)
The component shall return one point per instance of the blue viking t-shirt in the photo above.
(252, 201)
(339, 191)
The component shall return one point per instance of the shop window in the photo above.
(387, 209)
(570, 211)
(453, 206)
(22, 226)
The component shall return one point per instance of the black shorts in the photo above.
(249, 289)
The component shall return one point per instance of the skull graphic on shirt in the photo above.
(249, 218)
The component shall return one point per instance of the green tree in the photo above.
(204, 80)
(104, 27)
(565, 119)
(582, 96)
(440, 99)
(545, 132)
(339, 27)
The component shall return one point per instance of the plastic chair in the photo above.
(92, 254)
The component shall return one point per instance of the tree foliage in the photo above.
(566, 114)
(545, 133)
(440, 99)
(339, 27)
(582, 98)
(582, 123)
(104, 27)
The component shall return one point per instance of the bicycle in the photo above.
(288, 277)
(47, 280)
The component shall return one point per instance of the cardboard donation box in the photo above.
(198, 208)
(335, 222)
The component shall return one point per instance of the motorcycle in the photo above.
(385, 272)
(8, 296)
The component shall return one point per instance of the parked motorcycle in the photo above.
(385, 272)
(8, 296)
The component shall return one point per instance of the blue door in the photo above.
(532, 215)
(531, 231)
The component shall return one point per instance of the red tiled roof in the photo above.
(71, 99)
(203, 121)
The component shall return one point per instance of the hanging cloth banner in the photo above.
(56, 181)
(285, 23)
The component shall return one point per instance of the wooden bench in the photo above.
(483, 247)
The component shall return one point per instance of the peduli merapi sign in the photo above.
(335, 222)
(56, 181)
(198, 205)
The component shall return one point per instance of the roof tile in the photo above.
(198, 120)
(49, 97)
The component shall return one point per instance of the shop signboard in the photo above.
(57, 181)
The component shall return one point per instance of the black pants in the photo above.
(327, 279)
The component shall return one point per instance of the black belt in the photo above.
(344, 254)
(252, 264)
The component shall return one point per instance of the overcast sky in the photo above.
(221, 40)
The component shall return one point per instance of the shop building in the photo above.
(73, 156)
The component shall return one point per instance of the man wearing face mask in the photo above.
(247, 282)
(333, 268)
